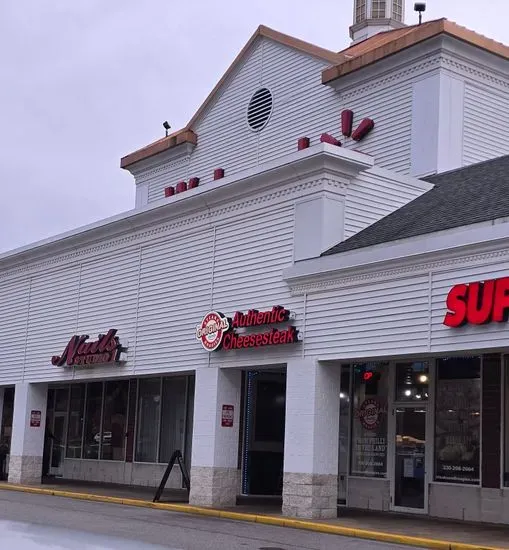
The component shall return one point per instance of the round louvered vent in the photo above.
(259, 109)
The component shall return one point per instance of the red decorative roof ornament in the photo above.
(361, 131)
(327, 138)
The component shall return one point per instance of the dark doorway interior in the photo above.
(6, 431)
(264, 433)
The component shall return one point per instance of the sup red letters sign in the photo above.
(478, 303)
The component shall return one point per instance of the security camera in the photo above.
(420, 6)
(166, 126)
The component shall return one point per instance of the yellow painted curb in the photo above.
(325, 528)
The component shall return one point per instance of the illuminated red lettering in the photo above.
(457, 306)
(501, 300)
(480, 302)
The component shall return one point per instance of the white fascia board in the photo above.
(320, 158)
(398, 61)
(164, 157)
(432, 246)
(407, 181)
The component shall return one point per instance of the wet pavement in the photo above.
(28, 536)
(410, 525)
(58, 523)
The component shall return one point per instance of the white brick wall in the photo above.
(104, 471)
(469, 503)
(369, 493)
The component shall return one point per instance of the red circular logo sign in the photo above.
(212, 329)
(370, 414)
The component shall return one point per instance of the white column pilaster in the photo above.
(27, 444)
(215, 477)
(310, 485)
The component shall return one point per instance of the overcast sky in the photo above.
(85, 82)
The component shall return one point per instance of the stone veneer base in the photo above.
(214, 486)
(310, 496)
(25, 470)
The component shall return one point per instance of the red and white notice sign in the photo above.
(227, 416)
(35, 419)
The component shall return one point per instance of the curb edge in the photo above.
(255, 518)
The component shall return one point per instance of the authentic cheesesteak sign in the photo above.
(478, 303)
(78, 352)
(216, 331)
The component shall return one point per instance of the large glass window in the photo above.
(378, 9)
(412, 381)
(149, 416)
(173, 417)
(369, 422)
(116, 395)
(506, 424)
(457, 420)
(93, 416)
(75, 425)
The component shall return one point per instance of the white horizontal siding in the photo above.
(391, 109)
(14, 299)
(445, 338)
(303, 106)
(224, 138)
(486, 121)
(161, 179)
(175, 291)
(250, 256)
(52, 321)
(370, 197)
(369, 320)
(108, 300)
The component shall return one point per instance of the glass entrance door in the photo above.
(410, 457)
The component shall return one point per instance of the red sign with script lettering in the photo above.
(216, 331)
(79, 352)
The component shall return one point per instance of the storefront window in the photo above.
(173, 417)
(75, 426)
(149, 405)
(457, 420)
(412, 381)
(114, 420)
(93, 413)
(369, 422)
(506, 424)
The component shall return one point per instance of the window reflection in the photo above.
(412, 381)
(369, 422)
(114, 420)
(457, 420)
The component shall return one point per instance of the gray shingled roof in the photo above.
(465, 196)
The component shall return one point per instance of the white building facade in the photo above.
(207, 320)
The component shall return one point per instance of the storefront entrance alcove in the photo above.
(264, 397)
(6, 415)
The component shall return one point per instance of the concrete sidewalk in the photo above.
(412, 530)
